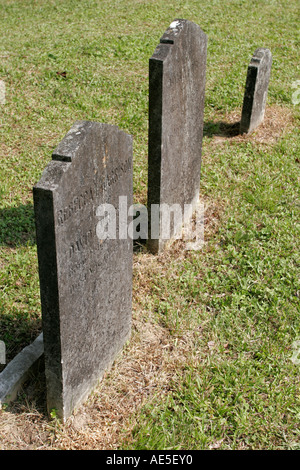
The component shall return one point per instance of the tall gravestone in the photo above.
(85, 281)
(177, 71)
(256, 90)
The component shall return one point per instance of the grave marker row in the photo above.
(86, 278)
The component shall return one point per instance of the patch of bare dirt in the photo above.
(277, 122)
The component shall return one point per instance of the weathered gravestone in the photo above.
(85, 282)
(256, 90)
(177, 72)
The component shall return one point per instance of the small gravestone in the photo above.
(177, 72)
(256, 90)
(2, 92)
(85, 280)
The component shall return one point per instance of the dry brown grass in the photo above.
(145, 368)
(277, 122)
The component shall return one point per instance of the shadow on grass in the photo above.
(17, 328)
(221, 129)
(17, 226)
(139, 246)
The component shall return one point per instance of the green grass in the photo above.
(62, 61)
(240, 388)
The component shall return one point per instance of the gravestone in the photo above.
(256, 90)
(177, 72)
(85, 281)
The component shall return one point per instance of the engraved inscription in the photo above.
(81, 243)
(88, 195)
(86, 269)
(78, 203)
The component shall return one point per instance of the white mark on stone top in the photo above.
(174, 24)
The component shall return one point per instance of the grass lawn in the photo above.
(212, 362)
